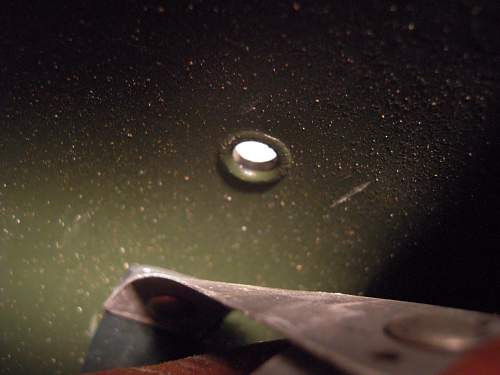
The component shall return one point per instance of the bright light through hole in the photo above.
(255, 152)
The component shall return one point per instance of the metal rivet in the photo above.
(445, 332)
(254, 157)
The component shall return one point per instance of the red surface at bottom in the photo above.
(482, 361)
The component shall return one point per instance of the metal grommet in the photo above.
(254, 157)
(443, 332)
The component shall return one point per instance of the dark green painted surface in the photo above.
(110, 122)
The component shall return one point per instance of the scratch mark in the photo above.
(350, 194)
